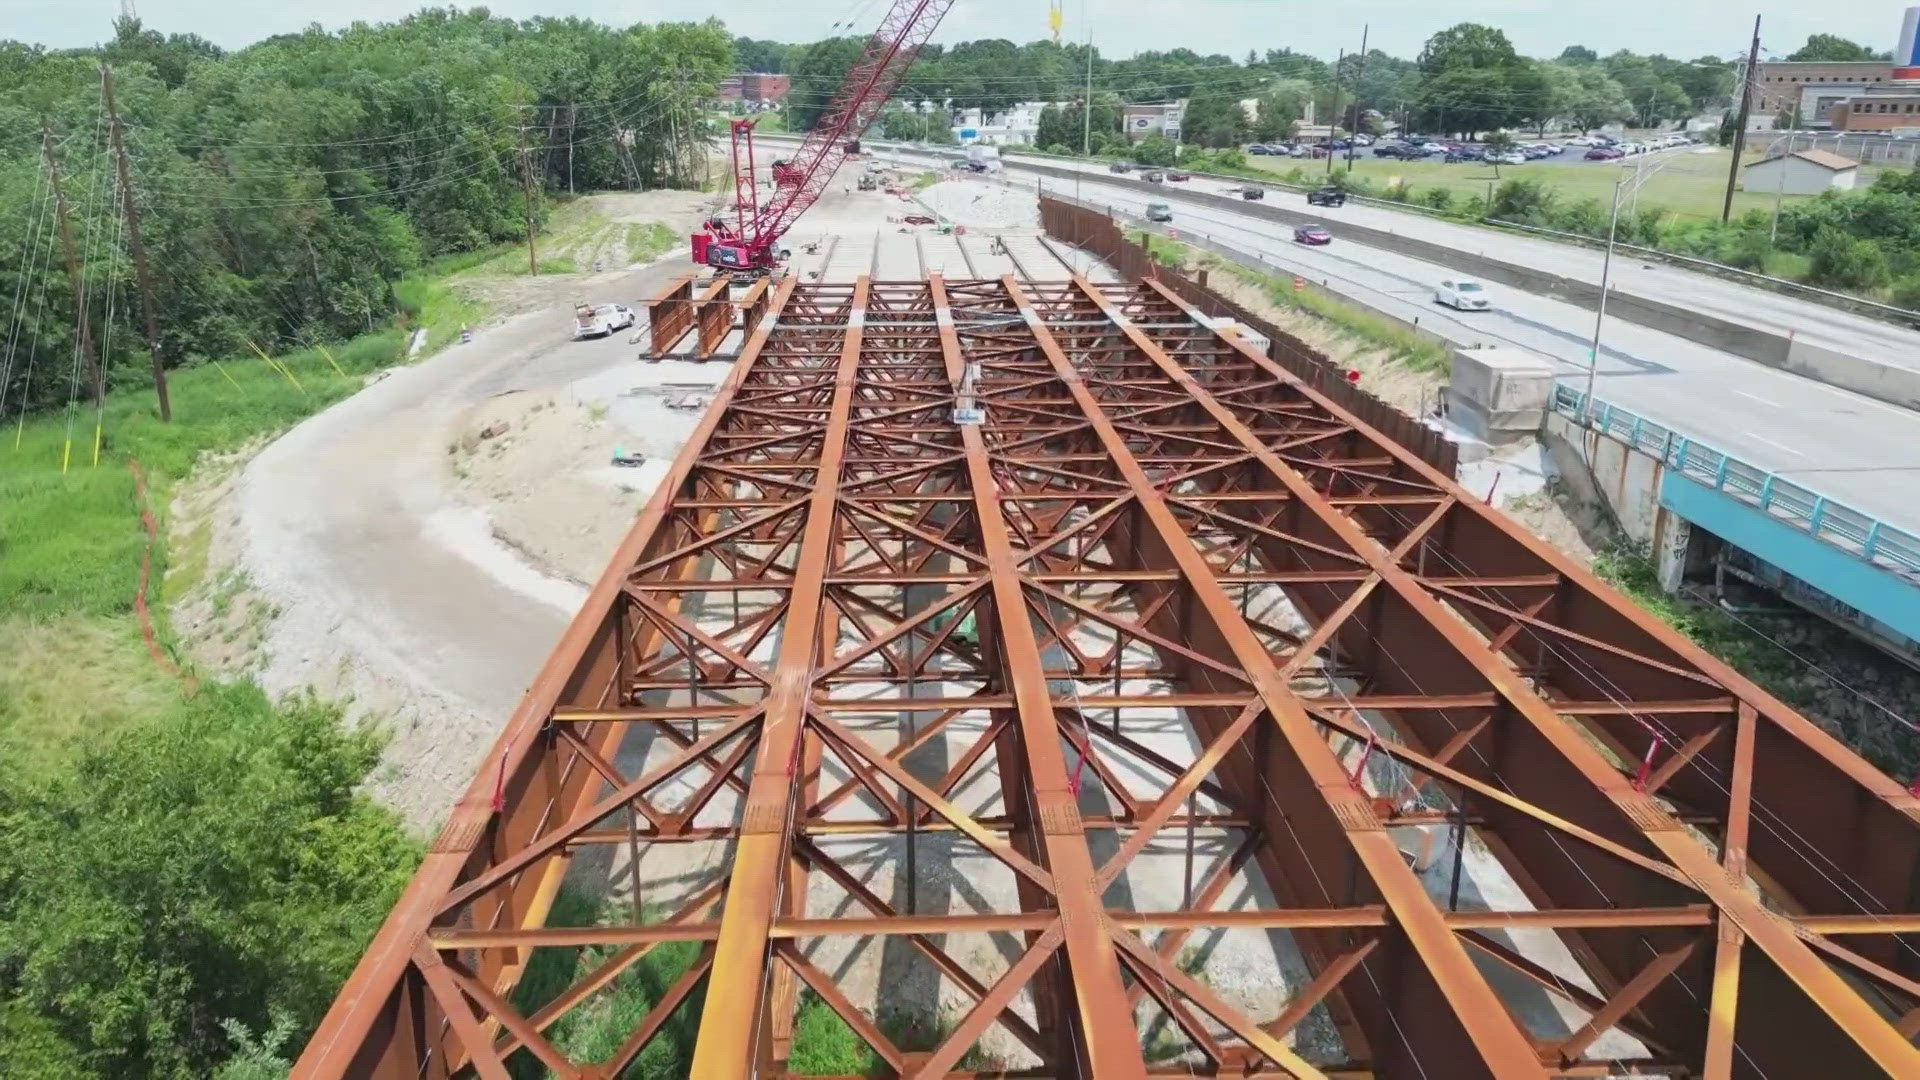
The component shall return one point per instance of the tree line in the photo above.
(285, 188)
(1467, 80)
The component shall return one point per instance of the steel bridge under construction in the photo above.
(1045, 655)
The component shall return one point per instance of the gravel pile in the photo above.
(979, 204)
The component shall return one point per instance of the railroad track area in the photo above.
(1037, 681)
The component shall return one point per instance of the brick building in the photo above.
(1814, 88)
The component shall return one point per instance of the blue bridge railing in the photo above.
(1860, 534)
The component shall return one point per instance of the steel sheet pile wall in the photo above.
(1172, 660)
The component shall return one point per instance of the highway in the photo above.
(1847, 446)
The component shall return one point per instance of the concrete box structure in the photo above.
(1803, 172)
(1499, 395)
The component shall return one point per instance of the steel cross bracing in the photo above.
(1053, 726)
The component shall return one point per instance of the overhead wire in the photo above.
(29, 252)
(1803, 849)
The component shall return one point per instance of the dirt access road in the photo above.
(393, 591)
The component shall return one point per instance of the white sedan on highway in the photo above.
(1462, 294)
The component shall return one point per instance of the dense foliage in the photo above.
(1468, 79)
(1865, 241)
(209, 873)
(286, 187)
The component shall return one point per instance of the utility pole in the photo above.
(73, 268)
(1740, 125)
(1353, 126)
(572, 122)
(526, 185)
(1333, 114)
(114, 132)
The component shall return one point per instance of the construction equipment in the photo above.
(749, 244)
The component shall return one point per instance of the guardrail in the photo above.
(1858, 305)
(1836, 523)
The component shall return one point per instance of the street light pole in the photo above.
(1640, 176)
(1600, 316)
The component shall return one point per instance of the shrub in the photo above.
(1846, 262)
(1438, 198)
(1529, 202)
(1906, 292)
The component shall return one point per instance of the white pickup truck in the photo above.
(599, 320)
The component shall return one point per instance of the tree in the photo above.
(1279, 108)
(1154, 150)
(1578, 54)
(212, 865)
(1832, 49)
(1213, 120)
(1467, 45)
(1599, 101)
(818, 71)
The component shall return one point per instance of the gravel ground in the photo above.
(982, 204)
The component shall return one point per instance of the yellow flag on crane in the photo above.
(1055, 16)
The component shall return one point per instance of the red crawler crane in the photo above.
(750, 242)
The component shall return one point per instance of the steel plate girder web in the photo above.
(378, 1024)
(1847, 1010)
(1502, 1048)
(1150, 521)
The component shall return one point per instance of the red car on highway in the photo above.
(1315, 235)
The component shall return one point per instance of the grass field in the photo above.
(1691, 184)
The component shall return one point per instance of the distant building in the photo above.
(1884, 109)
(1813, 87)
(1159, 118)
(1304, 132)
(1016, 126)
(754, 88)
(1803, 172)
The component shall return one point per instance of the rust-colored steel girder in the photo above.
(1034, 680)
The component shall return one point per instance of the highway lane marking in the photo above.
(1758, 398)
(1775, 445)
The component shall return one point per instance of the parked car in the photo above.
(1603, 153)
(1153, 176)
(1260, 150)
(1511, 157)
(1179, 175)
(1434, 147)
(1120, 167)
(1251, 192)
(1314, 235)
(1399, 150)
(1462, 294)
(1159, 211)
(1327, 196)
(1363, 140)
(599, 320)
(1465, 153)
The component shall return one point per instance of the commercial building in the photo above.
(1814, 87)
(1158, 118)
(1803, 172)
(1892, 105)
(1015, 126)
(1889, 111)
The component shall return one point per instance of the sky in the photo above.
(1679, 28)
